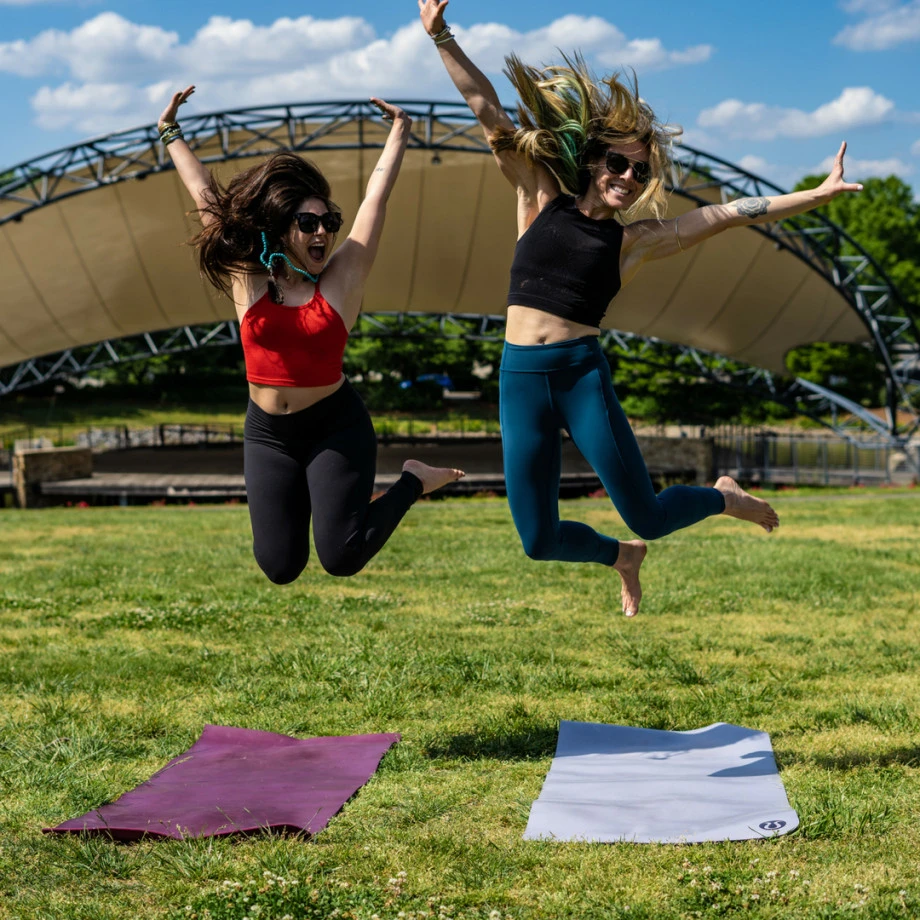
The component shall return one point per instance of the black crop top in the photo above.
(567, 264)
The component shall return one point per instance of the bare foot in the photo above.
(632, 552)
(739, 504)
(432, 477)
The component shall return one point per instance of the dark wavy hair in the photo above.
(262, 199)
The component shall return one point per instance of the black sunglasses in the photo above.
(617, 163)
(308, 222)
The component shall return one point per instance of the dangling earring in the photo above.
(267, 258)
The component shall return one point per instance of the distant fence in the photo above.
(123, 437)
(802, 459)
(749, 454)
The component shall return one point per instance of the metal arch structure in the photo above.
(811, 237)
(441, 127)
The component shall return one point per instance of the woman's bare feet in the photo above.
(632, 552)
(432, 477)
(739, 504)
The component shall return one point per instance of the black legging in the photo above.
(321, 459)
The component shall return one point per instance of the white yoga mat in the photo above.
(614, 783)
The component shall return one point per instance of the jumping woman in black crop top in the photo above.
(589, 158)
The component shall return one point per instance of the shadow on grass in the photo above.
(902, 756)
(530, 743)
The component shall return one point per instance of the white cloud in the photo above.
(228, 46)
(93, 108)
(887, 25)
(868, 6)
(915, 149)
(105, 48)
(119, 73)
(865, 169)
(755, 164)
(856, 106)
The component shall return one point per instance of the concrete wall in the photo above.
(33, 467)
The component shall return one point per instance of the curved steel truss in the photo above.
(75, 362)
(437, 126)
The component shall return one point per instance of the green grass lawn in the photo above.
(124, 631)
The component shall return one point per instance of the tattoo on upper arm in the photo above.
(751, 207)
(380, 169)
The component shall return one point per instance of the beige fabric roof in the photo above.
(111, 262)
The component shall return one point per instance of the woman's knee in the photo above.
(342, 561)
(541, 547)
(646, 528)
(281, 569)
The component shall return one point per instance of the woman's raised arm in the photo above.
(651, 239)
(194, 175)
(534, 183)
(346, 275)
(472, 83)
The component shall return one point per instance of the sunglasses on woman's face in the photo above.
(618, 164)
(308, 222)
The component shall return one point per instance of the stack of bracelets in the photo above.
(444, 36)
(169, 132)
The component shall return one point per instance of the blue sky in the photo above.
(771, 86)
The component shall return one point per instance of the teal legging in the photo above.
(566, 385)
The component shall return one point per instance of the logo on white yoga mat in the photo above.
(771, 825)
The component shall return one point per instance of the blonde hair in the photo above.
(569, 118)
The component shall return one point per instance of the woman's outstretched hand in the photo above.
(171, 110)
(834, 184)
(432, 13)
(390, 112)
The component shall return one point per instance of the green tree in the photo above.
(884, 220)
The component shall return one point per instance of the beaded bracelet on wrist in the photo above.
(170, 135)
(445, 35)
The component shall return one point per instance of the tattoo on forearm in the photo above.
(751, 207)
(380, 169)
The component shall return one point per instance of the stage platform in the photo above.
(143, 488)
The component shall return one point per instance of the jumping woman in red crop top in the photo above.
(589, 156)
(310, 447)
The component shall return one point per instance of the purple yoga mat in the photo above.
(237, 780)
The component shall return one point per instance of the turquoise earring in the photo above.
(266, 259)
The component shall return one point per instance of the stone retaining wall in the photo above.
(35, 466)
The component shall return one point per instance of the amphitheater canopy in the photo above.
(92, 240)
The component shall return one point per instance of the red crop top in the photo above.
(293, 346)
